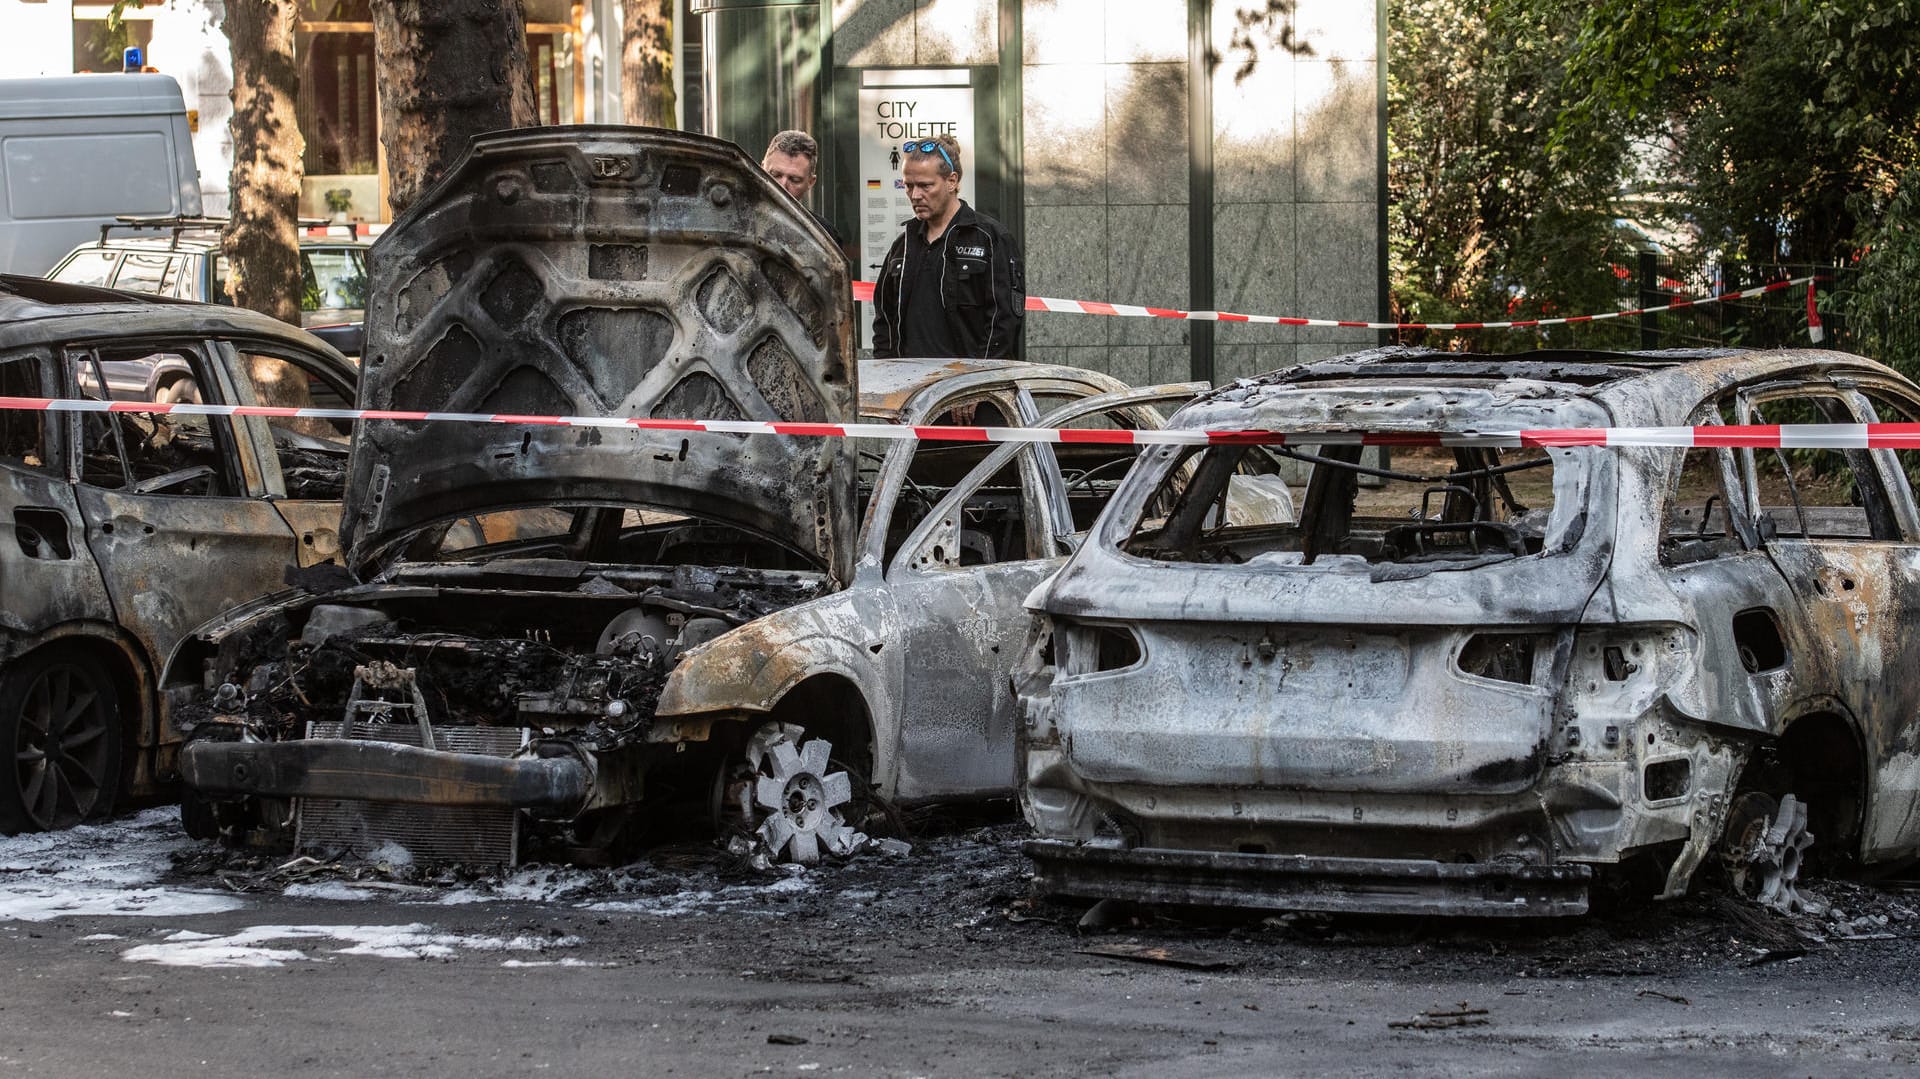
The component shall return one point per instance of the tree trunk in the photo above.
(447, 70)
(646, 62)
(262, 237)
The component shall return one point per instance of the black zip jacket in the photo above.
(983, 289)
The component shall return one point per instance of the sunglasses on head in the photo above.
(929, 146)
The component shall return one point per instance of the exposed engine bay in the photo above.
(520, 659)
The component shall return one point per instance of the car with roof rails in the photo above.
(128, 530)
(1509, 673)
(570, 641)
(181, 256)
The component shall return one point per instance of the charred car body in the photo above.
(1529, 666)
(129, 530)
(580, 636)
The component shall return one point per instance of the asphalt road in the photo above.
(127, 946)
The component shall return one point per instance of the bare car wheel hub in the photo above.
(796, 797)
(1766, 843)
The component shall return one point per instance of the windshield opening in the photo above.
(615, 535)
(1462, 506)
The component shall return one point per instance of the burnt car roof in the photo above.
(1577, 367)
(607, 271)
(1635, 387)
(33, 309)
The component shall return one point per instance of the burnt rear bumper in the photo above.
(1289, 882)
(370, 771)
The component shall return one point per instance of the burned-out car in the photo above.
(577, 639)
(129, 530)
(1507, 672)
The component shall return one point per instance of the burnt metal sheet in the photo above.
(607, 271)
(384, 772)
(1294, 882)
(1320, 707)
(170, 562)
(50, 577)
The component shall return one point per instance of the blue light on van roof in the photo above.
(131, 59)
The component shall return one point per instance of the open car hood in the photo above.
(606, 271)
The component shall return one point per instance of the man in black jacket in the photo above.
(952, 285)
(793, 159)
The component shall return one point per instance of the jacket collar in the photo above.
(963, 216)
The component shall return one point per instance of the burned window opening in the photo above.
(1468, 514)
(1502, 657)
(312, 452)
(990, 526)
(1699, 522)
(148, 453)
(1808, 493)
(937, 467)
(22, 432)
(600, 535)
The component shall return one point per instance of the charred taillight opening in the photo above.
(1502, 657)
(1665, 780)
(1756, 632)
(1095, 649)
(1118, 649)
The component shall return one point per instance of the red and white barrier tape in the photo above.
(863, 292)
(1837, 436)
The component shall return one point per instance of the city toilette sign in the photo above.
(897, 105)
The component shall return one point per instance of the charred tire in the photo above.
(60, 719)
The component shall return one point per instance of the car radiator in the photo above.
(430, 834)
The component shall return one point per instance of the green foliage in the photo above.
(1789, 127)
(1488, 217)
(1883, 298)
(114, 35)
(1782, 132)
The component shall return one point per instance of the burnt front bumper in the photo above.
(1298, 883)
(371, 771)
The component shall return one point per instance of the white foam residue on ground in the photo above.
(694, 900)
(567, 962)
(664, 906)
(268, 945)
(101, 869)
(103, 936)
(331, 889)
(543, 885)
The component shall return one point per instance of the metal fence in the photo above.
(1773, 320)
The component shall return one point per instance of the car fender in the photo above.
(749, 669)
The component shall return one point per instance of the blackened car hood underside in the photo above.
(606, 271)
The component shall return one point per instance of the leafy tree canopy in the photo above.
(1521, 132)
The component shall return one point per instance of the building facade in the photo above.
(573, 47)
(1201, 154)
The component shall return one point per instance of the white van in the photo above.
(77, 151)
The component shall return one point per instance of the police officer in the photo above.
(952, 285)
(793, 160)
